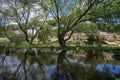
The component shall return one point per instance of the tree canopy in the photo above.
(67, 16)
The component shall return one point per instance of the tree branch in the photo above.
(69, 35)
(38, 29)
(76, 21)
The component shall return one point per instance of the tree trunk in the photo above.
(61, 40)
(27, 38)
(60, 58)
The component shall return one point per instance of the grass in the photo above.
(4, 41)
(71, 46)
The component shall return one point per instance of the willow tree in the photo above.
(25, 14)
(68, 14)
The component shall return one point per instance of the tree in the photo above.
(3, 27)
(68, 14)
(25, 14)
(8, 31)
(110, 19)
(45, 34)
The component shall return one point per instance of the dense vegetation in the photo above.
(25, 20)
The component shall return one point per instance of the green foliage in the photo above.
(44, 34)
(51, 23)
(109, 16)
(24, 45)
(17, 38)
(104, 16)
(95, 40)
(78, 49)
(2, 33)
(21, 14)
(91, 39)
(4, 41)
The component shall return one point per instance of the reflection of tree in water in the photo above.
(31, 67)
(116, 55)
(61, 72)
(67, 70)
(47, 57)
(22, 71)
(94, 55)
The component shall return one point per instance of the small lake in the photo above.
(54, 64)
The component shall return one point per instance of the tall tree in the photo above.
(24, 13)
(68, 14)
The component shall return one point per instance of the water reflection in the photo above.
(14, 69)
(94, 55)
(113, 70)
(42, 64)
(64, 69)
(76, 71)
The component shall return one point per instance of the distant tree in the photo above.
(3, 26)
(45, 34)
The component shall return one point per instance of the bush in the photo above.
(4, 40)
(17, 38)
(24, 44)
